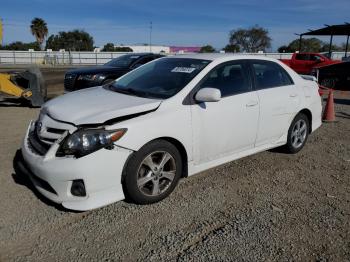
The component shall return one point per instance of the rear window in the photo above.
(303, 57)
(123, 61)
(270, 74)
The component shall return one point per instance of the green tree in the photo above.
(123, 49)
(39, 30)
(231, 48)
(109, 47)
(252, 40)
(76, 40)
(21, 46)
(307, 45)
(335, 48)
(207, 49)
(284, 49)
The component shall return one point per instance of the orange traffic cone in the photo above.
(328, 113)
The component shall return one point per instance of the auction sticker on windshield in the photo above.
(187, 70)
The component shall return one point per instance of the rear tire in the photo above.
(152, 173)
(297, 134)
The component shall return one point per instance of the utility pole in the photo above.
(150, 37)
(1, 32)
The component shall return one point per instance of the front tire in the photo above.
(297, 134)
(153, 172)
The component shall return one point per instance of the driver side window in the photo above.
(230, 78)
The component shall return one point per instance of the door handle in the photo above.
(252, 103)
(293, 95)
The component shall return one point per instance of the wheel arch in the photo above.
(179, 146)
(308, 114)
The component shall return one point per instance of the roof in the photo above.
(222, 56)
(343, 29)
(139, 54)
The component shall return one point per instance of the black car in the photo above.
(80, 78)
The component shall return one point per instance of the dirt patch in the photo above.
(269, 206)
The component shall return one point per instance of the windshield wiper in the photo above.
(129, 91)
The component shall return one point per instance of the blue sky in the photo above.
(180, 22)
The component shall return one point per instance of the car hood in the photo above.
(96, 105)
(96, 70)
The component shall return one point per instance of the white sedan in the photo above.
(169, 119)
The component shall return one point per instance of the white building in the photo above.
(147, 48)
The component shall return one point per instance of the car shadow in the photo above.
(342, 115)
(342, 101)
(20, 177)
(12, 102)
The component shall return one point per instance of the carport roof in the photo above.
(343, 29)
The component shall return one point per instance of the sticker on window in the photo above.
(134, 56)
(187, 70)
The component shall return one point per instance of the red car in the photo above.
(304, 63)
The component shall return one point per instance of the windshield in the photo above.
(161, 78)
(123, 61)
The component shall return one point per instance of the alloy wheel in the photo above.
(156, 173)
(299, 133)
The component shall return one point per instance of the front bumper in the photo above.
(101, 172)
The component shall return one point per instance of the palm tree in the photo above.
(39, 30)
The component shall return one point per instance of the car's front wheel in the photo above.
(153, 172)
(297, 134)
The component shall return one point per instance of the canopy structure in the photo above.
(331, 30)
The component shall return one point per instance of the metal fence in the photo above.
(91, 58)
(57, 58)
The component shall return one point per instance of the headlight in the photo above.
(84, 142)
(91, 77)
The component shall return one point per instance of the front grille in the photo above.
(69, 81)
(36, 145)
(55, 130)
(43, 184)
(45, 133)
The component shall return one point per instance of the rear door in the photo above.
(278, 97)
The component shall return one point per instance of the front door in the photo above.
(229, 125)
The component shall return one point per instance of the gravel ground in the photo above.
(269, 206)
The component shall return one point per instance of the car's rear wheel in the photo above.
(297, 134)
(153, 172)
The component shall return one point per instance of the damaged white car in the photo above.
(171, 118)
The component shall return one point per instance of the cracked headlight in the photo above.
(86, 141)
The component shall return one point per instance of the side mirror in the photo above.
(319, 60)
(208, 94)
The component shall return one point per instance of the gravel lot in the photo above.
(270, 206)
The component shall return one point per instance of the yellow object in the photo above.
(9, 88)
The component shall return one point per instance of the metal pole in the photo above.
(330, 47)
(1, 32)
(150, 37)
(346, 47)
(300, 38)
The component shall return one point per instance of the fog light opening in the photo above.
(78, 188)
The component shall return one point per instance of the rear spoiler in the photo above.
(308, 77)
